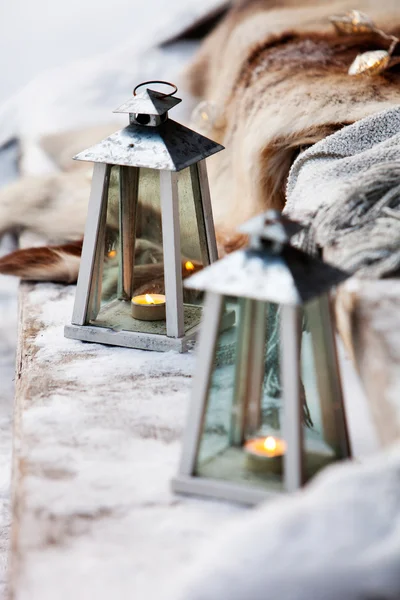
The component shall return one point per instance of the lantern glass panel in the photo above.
(148, 273)
(227, 423)
(192, 237)
(242, 437)
(104, 283)
(110, 267)
(216, 432)
(326, 434)
(133, 251)
(130, 248)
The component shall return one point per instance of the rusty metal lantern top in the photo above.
(149, 102)
(272, 226)
(151, 139)
(270, 269)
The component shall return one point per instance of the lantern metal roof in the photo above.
(283, 274)
(162, 144)
(149, 102)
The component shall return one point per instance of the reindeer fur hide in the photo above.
(276, 74)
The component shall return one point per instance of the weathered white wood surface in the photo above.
(369, 321)
(96, 444)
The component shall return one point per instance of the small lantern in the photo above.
(267, 410)
(149, 226)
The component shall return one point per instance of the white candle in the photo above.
(149, 307)
(265, 454)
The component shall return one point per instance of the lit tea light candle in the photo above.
(189, 266)
(265, 454)
(149, 307)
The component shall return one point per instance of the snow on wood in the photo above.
(96, 439)
(97, 433)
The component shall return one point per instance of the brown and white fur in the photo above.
(276, 72)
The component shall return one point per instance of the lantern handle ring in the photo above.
(160, 82)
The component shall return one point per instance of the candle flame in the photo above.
(270, 443)
(189, 266)
(149, 299)
(112, 254)
(204, 116)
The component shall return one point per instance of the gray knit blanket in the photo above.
(347, 189)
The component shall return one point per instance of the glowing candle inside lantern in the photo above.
(149, 299)
(265, 454)
(189, 266)
(149, 307)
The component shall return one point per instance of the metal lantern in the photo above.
(149, 226)
(267, 410)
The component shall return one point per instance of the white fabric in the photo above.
(339, 538)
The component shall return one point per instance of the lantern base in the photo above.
(230, 476)
(129, 339)
(139, 339)
(117, 315)
(221, 490)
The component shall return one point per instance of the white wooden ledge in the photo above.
(96, 443)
